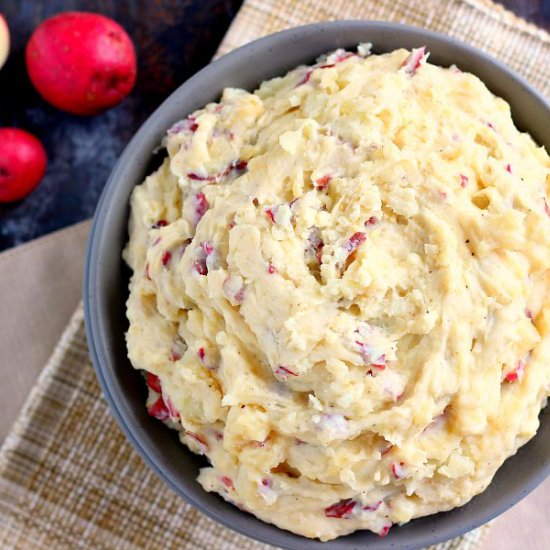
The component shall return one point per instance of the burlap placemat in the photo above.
(481, 23)
(68, 478)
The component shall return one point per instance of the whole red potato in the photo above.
(22, 163)
(81, 62)
(4, 40)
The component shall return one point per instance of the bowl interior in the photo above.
(106, 277)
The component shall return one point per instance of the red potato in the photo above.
(80, 62)
(22, 163)
(4, 40)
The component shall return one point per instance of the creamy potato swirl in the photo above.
(341, 291)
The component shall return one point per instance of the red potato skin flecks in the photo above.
(22, 163)
(166, 258)
(159, 410)
(153, 382)
(341, 509)
(227, 481)
(284, 371)
(83, 63)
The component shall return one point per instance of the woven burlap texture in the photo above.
(68, 478)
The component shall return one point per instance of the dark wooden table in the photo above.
(174, 39)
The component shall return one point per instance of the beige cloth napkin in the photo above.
(68, 478)
(40, 287)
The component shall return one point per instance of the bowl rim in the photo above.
(95, 331)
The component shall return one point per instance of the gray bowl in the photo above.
(106, 277)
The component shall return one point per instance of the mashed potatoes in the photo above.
(341, 291)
